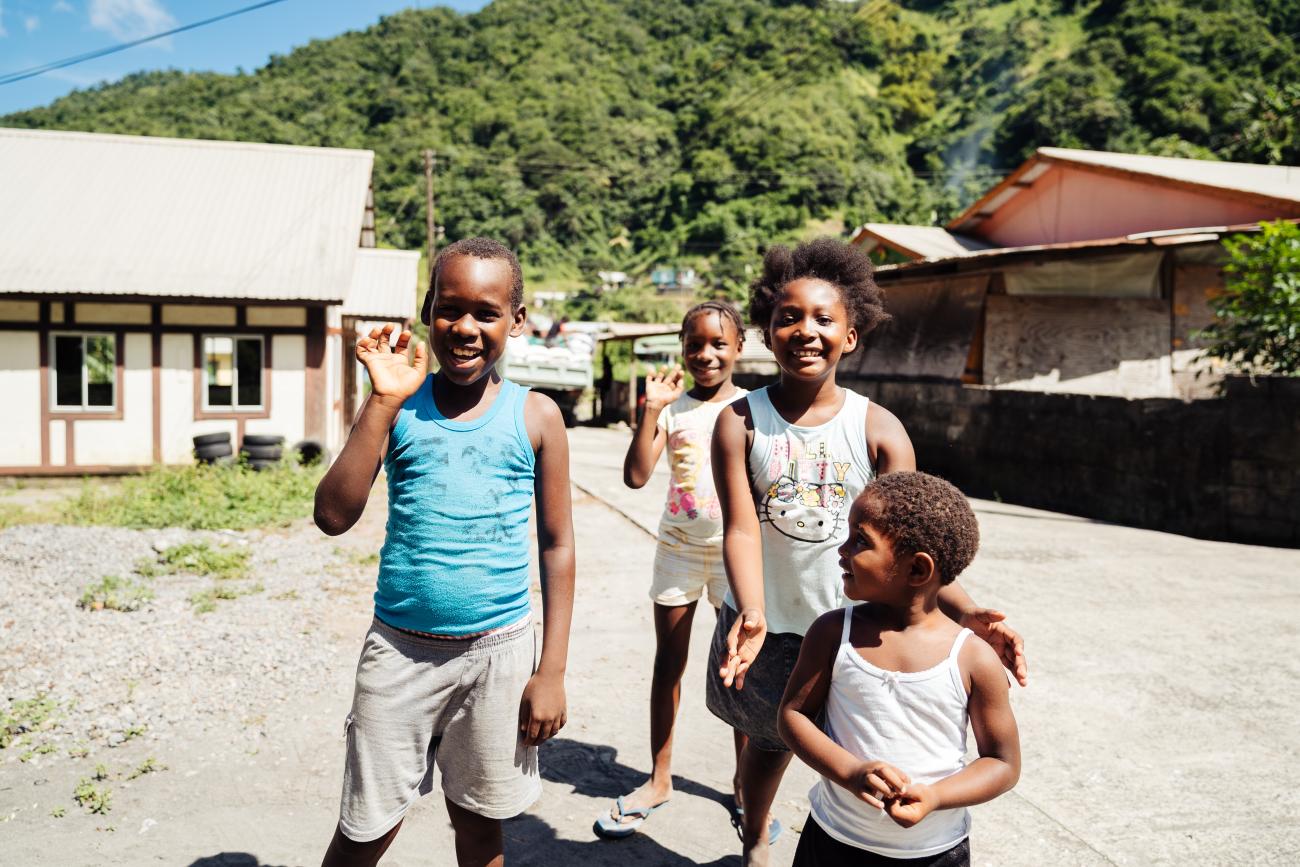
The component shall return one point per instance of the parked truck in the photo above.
(561, 371)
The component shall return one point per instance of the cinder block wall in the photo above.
(1227, 468)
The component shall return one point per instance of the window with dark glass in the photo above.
(232, 372)
(85, 371)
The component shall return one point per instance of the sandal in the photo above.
(612, 828)
(738, 815)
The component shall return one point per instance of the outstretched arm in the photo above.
(998, 767)
(662, 387)
(543, 710)
(891, 451)
(742, 545)
(341, 495)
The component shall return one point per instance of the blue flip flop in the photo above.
(737, 816)
(616, 829)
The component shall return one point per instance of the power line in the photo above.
(33, 71)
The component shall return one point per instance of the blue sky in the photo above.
(34, 32)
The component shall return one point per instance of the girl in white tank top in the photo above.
(879, 700)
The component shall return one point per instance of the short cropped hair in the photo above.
(844, 266)
(479, 248)
(725, 311)
(918, 513)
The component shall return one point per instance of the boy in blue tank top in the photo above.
(448, 674)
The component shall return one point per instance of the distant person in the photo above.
(896, 682)
(688, 557)
(556, 330)
(446, 673)
(788, 460)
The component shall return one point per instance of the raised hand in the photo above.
(912, 805)
(392, 377)
(743, 644)
(663, 386)
(876, 783)
(1010, 647)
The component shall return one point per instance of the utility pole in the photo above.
(430, 222)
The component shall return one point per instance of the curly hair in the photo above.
(919, 513)
(726, 312)
(479, 248)
(844, 266)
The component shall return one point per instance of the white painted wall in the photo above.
(20, 395)
(288, 384)
(128, 441)
(58, 442)
(178, 424)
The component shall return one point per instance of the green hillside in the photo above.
(615, 134)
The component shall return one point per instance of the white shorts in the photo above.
(453, 703)
(685, 569)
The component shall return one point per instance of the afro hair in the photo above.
(479, 248)
(921, 513)
(844, 266)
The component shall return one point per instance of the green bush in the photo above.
(114, 593)
(200, 558)
(199, 498)
(27, 715)
(1257, 318)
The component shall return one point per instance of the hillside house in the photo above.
(155, 289)
(1082, 272)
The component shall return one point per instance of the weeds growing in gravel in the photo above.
(199, 497)
(58, 813)
(200, 558)
(205, 601)
(117, 594)
(148, 766)
(95, 799)
(80, 751)
(27, 715)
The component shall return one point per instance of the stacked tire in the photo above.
(213, 448)
(262, 451)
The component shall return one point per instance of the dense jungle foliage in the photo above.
(618, 134)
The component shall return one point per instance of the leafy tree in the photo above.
(1257, 325)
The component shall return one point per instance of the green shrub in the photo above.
(199, 498)
(117, 594)
(95, 799)
(200, 558)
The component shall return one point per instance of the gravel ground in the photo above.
(119, 676)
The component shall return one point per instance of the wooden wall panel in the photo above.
(930, 334)
(1097, 346)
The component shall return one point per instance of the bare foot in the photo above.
(757, 855)
(648, 794)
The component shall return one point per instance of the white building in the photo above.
(154, 289)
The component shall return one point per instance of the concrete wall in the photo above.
(128, 440)
(20, 388)
(1226, 468)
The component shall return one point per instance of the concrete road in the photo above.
(1159, 726)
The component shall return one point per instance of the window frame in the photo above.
(84, 409)
(206, 410)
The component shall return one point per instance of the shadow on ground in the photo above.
(230, 859)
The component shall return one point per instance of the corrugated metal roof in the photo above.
(920, 242)
(1276, 184)
(133, 215)
(383, 284)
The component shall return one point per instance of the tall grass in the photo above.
(199, 497)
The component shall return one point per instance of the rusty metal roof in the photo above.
(140, 216)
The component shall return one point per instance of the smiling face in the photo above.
(810, 329)
(471, 317)
(872, 570)
(710, 347)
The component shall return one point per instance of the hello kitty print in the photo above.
(806, 500)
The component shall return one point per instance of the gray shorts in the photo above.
(753, 710)
(450, 702)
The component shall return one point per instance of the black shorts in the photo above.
(753, 710)
(819, 849)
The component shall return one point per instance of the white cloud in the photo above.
(130, 19)
(63, 6)
(31, 22)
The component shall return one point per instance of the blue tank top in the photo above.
(455, 558)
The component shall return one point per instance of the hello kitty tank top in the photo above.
(805, 479)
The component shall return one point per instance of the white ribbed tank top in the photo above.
(804, 479)
(915, 721)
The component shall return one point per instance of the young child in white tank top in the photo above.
(896, 682)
